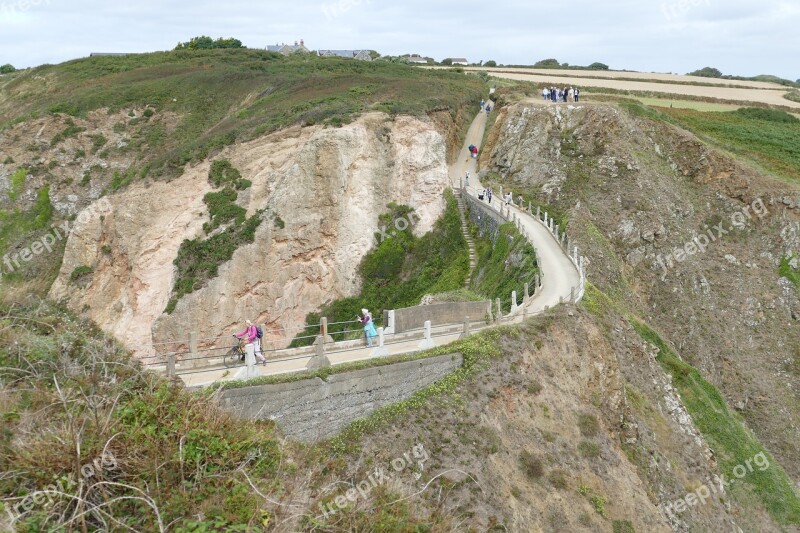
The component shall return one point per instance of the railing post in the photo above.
(427, 342)
(513, 302)
(324, 330)
(466, 331)
(194, 361)
(250, 359)
(381, 350)
(526, 299)
(539, 212)
(170, 365)
(389, 327)
(319, 359)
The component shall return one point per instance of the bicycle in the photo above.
(235, 355)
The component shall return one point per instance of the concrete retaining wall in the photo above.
(313, 409)
(439, 314)
(484, 217)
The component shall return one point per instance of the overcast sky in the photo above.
(738, 37)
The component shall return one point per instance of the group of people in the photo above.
(486, 106)
(252, 334)
(556, 94)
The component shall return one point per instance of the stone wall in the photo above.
(439, 314)
(485, 218)
(316, 409)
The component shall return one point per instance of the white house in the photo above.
(457, 61)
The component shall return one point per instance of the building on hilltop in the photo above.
(361, 55)
(417, 59)
(287, 49)
(456, 61)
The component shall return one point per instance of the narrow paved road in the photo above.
(559, 275)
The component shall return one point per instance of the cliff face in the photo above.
(326, 186)
(636, 193)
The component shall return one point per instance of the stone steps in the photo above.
(473, 261)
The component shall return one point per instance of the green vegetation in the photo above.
(80, 272)
(794, 96)
(16, 223)
(589, 425)
(402, 268)
(199, 259)
(732, 443)
(223, 96)
(589, 449)
(71, 130)
(144, 442)
(504, 266)
(206, 43)
(786, 271)
(531, 464)
(770, 138)
(707, 72)
(17, 184)
(7, 69)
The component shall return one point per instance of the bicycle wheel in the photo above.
(231, 358)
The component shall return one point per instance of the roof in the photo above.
(457, 59)
(343, 53)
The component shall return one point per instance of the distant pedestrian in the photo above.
(519, 201)
(509, 198)
(483, 102)
(489, 195)
(250, 336)
(571, 95)
(466, 180)
(546, 93)
(368, 325)
(577, 94)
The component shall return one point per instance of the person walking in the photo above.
(466, 180)
(571, 95)
(250, 336)
(489, 195)
(546, 94)
(483, 102)
(577, 94)
(368, 325)
(519, 201)
(509, 198)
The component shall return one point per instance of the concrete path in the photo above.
(559, 277)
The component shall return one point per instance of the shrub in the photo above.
(7, 69)
(589, 449)
(588, 425)
(532, 466)
(80, 272)
(769, 115)
(559, 479)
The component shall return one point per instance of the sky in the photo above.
(738, 37)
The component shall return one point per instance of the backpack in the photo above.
(259, 332)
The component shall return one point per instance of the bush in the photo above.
(707, 72)
(531, 465)
(770, 115)
(559, 479)
(7, 69)
(588, 425)
(80, 272)
(589, 449)
(490, 63)
(598, 66)
(547, 63)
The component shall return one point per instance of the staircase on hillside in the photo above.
(473, 260)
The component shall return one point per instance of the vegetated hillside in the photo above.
(693, 241)
(74, 132)
(565, 423)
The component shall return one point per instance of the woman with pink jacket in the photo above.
(250, 334)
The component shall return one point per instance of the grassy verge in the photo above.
(732, 443)
(402, 268)
(113, 444)
(787, 271)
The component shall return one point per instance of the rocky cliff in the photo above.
(686, 236)
(322, 189)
